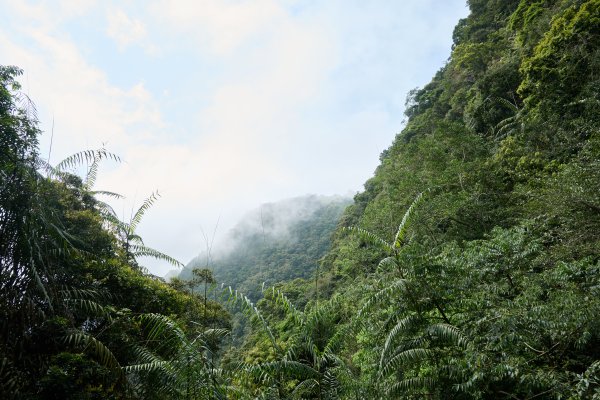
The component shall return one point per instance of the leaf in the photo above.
(448, 333)
(382, 296)
(95, 347)
(144, 251)
(404, 358)
(371, 238)
(400, 238)
(139, 214)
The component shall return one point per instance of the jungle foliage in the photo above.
(468, 268)
(79, 316)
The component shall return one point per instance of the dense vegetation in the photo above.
(279, 242)
(468, 268)
(79, 318)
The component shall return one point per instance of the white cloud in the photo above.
(221, 25)
(298, 101)
(124, 30)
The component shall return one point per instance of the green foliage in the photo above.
(70, 299)
(280, 242)
(486, 286)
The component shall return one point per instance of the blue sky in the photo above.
(224, 105)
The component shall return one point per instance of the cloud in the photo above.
(87, 110)
(124, 30)
(222, 26)
(266, 99)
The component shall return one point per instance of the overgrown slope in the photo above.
(504, 142)
(490, 289)
(279, 242)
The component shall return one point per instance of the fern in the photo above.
(143, 251)
(404, 358)
(411, 384)
(89, 156)
(139, 214)
(400, 238)
(448, 333)
(94, 346)
(383, 295)
(305, 386)
(247, 305)
(371, 238)
(403, 326)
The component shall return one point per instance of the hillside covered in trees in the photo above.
(468, 268)
(278, 242)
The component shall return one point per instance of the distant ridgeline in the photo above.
(278, 242)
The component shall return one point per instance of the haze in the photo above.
(223, 105)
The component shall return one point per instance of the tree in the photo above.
(130, 242)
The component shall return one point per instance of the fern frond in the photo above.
(400, 238)
(90, 307)
(303, 387)
(387, 263)
(107, 193)
(383, 296)
(404, 358)
(448, 333)
(210, 336)
(88, 156)
(411, 384)
(143, 251)
(9, 379)
(289, 308)
(92, 174)
(95, 347)
(402, 326)
(236, 297)
(155, 366)
(139, 214)
(371, 238)
(162, 330)
(335, 343)
(288, 368)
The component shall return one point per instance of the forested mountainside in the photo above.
(469, 265)
(278, 242)
(468, 268)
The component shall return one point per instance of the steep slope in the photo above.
(490, 288)
(503, 249)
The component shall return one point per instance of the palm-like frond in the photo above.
(92, 174)
(289, 308)
(107, 193)
(162, 330)
(404, 358)
(383, 295)
(236, 297)
(90, 307)
(94, 346)
(387, 263)
(303, 387)
(447, 333)
(371, 238)
(411, 384)
(139, 214)
(288, 368)
(144, 251)
(512, 124)
(86, 156)
(400, 237)
(404, 325)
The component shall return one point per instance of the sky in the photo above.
(222, 105)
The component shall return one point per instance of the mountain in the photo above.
(471, 260)
(278, 242)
